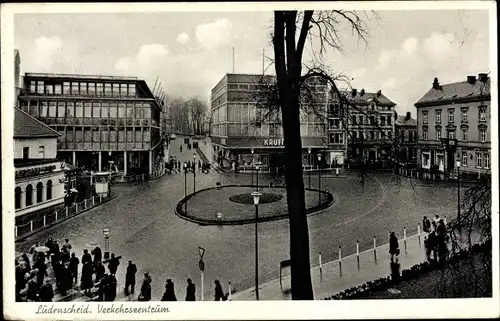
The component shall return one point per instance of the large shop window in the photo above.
(426, 160)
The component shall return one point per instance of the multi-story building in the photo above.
(369, 121)
(104, 122)
(454, 125)
(243, 133)
(406, 140)
(39, 175)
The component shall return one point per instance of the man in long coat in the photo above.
(130, 277)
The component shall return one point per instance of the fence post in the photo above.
(357, 253)
(44, 220)
(404, 237)
(375, 248)
(340, 260)
(31, 226)
(418, 235)
(76, 208)
(229, 294)
(93, 201)
(67, 212)
(15, 231)
(85, 203)
(100, 198)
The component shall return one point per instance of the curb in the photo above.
(25, 236)
(310, 211)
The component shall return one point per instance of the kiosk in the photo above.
(102, 183)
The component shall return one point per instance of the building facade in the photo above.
(454, 124)
(406, 140)
(368, 123)
(243, 134)
(39, 175)
(105, 122)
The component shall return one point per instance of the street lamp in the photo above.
(309, 158)
(319, 179)
(106, 243)
(257, 177)
(251, 167)
(256, 197)
(185, 187)
(194, 173)
(458, 195)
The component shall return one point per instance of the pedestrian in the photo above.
(426, 224)
(73, 268)
(20, 281)
(130, 277)
(26, 260)
(110, 288)
(191, 290)
(57, 251)
(219, 294)
(113, 264)
(66, 245)
(65, 256)
(97, 253)
(33, 247)
(99, 271)
(181, 149)
(86, 281)
(101, 287)
(145, 294)
(65, 279)
(46, 291)
(393, 246)
(32, 293)
(50, 245)
(86, 257)
(436, 219)
(169, 294)
(199, 164)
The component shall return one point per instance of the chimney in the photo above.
(408, 116)
(354, 92)
(362, 92)
(471, 79)
(483, 77)
(435, 84)
(379, 92)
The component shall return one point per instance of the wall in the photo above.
(50, 145)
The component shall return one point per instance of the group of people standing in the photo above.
(174, 165)
(436, 239)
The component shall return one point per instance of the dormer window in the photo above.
(426, 119)
(451, 116)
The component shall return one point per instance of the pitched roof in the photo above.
(26, 126)
(367, 98)
(401, 121)
(456, 91)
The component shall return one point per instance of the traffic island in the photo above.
(233, 204)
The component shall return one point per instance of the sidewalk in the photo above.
(332, 280)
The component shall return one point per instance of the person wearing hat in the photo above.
(191, 290)
(169, 294)
(145, 294)
(46, 291)
(130, 277)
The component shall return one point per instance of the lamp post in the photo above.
(458, 195)
(251, 167)
(256, 196)
(319, 179)
(194, 173)
(106, 243)
(309, 158)
(185, 187)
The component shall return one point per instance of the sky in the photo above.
(190, 52)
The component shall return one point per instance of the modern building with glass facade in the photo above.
(454, 124)
(240, 127)
(105, 122)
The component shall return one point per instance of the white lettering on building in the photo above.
(274, 142)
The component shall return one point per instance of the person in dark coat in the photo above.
(73, 268)
(86, 281)
(219, 294)
(42, 270)
(26, 260)
(50, 245)
(65, 255)
(145, 294)
(57, 251)
(65, 280)
(101, 287)
(113, 264)
(191, 291)
(20, 281)
(97, 253)
(46, 292)
(110, 288)
(393, 245)
(130, 277)
(169, 294)
(99, 270)
(426, 224)
(32, 293)
(86, 257)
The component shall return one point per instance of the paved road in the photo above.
(145, 229)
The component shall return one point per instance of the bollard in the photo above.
(404, 238)
(31, 226)
(44, 220)
(336, 171)
(100, 198)
(85, 203)
(418, 235)
(76, 208)
(375, 248)
(320, 267)
(357, 253)
(229, 294)
(93, 201)
(340, 260)
(67, 210)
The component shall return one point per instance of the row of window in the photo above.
(103, 134)
(451, 115)
(372, 134)
(482, 160)
(41, 152)
(336, 138)
(28, 194)
(264, 130)
(83, 89)
(451, 134)
(371, 120)
(62, 109)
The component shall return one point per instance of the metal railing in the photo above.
(62, 214)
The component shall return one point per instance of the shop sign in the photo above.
(274, 142)
(34, 171)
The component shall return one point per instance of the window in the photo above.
(353, 120)
(70, 109)
(87, 110)
(39, 192)
(130, 111)
(464, 134)
(57, 89)
(74, 88)
(113, 110)
(79, 110)
(33, 86)
(52, 109)
(138, 111)
(49, 190)
(99, 89)
(91, 90)
(130, 135)
(424, 131)
(83, 88)
(361, 120)
(29, 195)
(389, 121)
(482, 113)
(66, 88)
(425, 117)
(438, 134)
(451, 116)
(107, 90)
(17, 194)
(104, 110)
(479, 160)
(61, 109)
(464, 159)
(382, 121)
(146, 111)
(486, 160)
(131, 90)
(44, 109)
(426, 160)
(26, 152)
(96, 110)
(39, 87)
(123, 90)
(482, 135)
(49, 89)
(438, 116)
(116, 90)
(372, 120)
(464, 116)
(451, 134)
(41, 151)
(122, 112)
